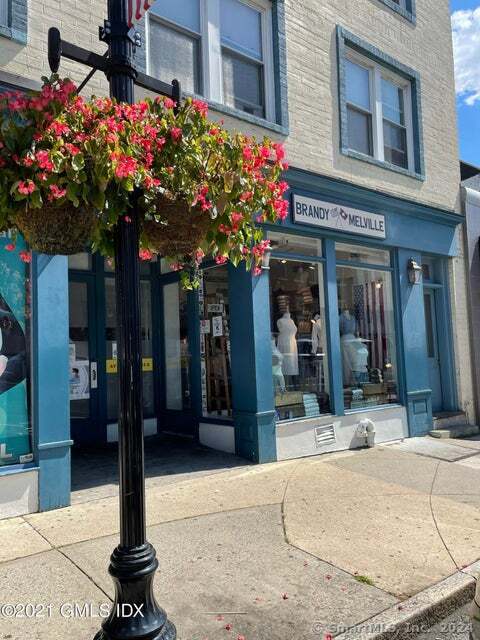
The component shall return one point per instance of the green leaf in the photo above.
(78, 161)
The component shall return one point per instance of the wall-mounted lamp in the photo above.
(266, 259)
(414, 271)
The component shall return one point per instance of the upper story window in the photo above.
(380, 108)
(406, 8)
(379, 118)
(221, 49)
(4, 5)
(14, 20)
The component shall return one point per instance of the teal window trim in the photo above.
(408, 12)
(347, 40)
(17, 27)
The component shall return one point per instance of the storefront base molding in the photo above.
(217, 436)
(310, 437)
(149, 429)
(18, 493)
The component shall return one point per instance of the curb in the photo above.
(420, 612)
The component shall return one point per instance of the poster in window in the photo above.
(15, 441)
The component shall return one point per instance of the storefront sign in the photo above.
(332, 216)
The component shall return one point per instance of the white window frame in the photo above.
(211, 71)
(376, 73)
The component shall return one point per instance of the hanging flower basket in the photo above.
(56, 228)
(182, 228)
(71, 168)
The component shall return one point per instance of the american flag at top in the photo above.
(137, 9)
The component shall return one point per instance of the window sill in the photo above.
(405, 13)
(13, 34)
(246, 117)
(377, 407)
(382, 164)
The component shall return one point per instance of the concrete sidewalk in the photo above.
(296, 550)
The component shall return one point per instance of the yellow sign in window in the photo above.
(112, 366)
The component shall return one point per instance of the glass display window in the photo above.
(177, 352)
(15, 431)
(299, 339)
(367, 337)
(215, 361)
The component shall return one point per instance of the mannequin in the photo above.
(354, 352)
(287, 344)
(277, 359)
(316, 333)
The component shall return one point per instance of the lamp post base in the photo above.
(135, 613)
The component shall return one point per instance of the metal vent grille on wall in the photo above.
(324, 435)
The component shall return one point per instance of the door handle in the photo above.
(93, 376)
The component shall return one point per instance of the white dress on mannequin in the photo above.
(287, 344)
(278, 378)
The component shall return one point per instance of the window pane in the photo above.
(79, 350)
(215, 343)
(177, 355)
(367, 337)
(358, 85)
(80, 261)
(298, 245)
(4, 13)
(359, 131)
(299, 340)
(393, 103)
(15, 295)
(357, 253)
(112, 349)
(241, 27)
(395, 144)
(243, 84)
(184, 12)
(174, 55)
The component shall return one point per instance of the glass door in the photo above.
(82, 359)
(433, 353)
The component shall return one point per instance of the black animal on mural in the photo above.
(13, 357)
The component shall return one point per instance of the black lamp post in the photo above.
(135, 613)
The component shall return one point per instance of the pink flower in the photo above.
(279, 151)
(10, 247)
(201, 107)
(247, 153)
(43, 160)
(228, 626)
(26, 188)
(199, 255)
(221, 259)
(72, 149)
(145, 254)
(57, 192)
(126, 166)
(257, 271)
(168, 103)
(59, 128)
(150, 182)
(240, 637)
(246, 196)
(25, 256)
(176, 134)
(176, 266)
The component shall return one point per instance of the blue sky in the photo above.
(466, 39)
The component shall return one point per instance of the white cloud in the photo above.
(466, 48)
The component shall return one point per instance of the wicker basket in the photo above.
(57, 230)
(181, 231)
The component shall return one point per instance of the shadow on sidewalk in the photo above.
(168, 459)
